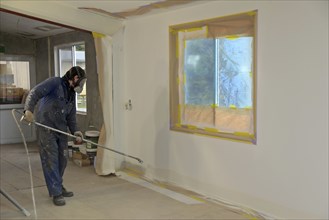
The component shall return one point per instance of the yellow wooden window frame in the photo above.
(232, 26)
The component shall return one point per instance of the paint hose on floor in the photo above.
(83, 139)
(29, 163)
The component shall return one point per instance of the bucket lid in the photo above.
(92, 133)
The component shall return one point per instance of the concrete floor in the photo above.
(97, 197)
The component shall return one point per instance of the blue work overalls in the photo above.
(57, 110)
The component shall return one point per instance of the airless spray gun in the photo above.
(85, 140)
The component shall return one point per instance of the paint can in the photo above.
(91, 149)
(92, 136)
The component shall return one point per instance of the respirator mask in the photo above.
(78, 86)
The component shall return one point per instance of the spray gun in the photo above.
(83, 139)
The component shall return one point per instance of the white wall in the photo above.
(286, 174)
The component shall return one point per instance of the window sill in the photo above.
(81, 113)
(221, 135)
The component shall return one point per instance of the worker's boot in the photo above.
(59, 200)
(66, 193)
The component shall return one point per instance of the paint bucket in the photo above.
(92, 136)
(91, 149)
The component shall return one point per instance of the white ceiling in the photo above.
(102, 11)
(111, 5)
(29, 28)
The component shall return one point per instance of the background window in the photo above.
(14, 81)
(212, 71)
(69, 56)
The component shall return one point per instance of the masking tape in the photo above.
(191, 29)
(232, 107)
(232, 37)
(98, 35)
(243, 134)
(179, 114)
(211, 129)
(197, 198)
(178, 125)
(193, 127)
(248, 216)
(251, 13)
(171, 30)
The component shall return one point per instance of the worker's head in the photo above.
(76, 77)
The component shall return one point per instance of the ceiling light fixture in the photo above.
(46, 28)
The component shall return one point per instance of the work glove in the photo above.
(78, 136)
(28, 116)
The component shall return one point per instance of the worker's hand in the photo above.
(78, 136)
(28, 116)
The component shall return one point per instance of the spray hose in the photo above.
(30, 168)
(83, 139)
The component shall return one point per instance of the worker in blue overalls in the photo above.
(57, 109)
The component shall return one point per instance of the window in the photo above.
(15, 78)
(212, 77)
(68, 56)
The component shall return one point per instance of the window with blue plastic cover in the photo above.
(218, 72)
(213, 76)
